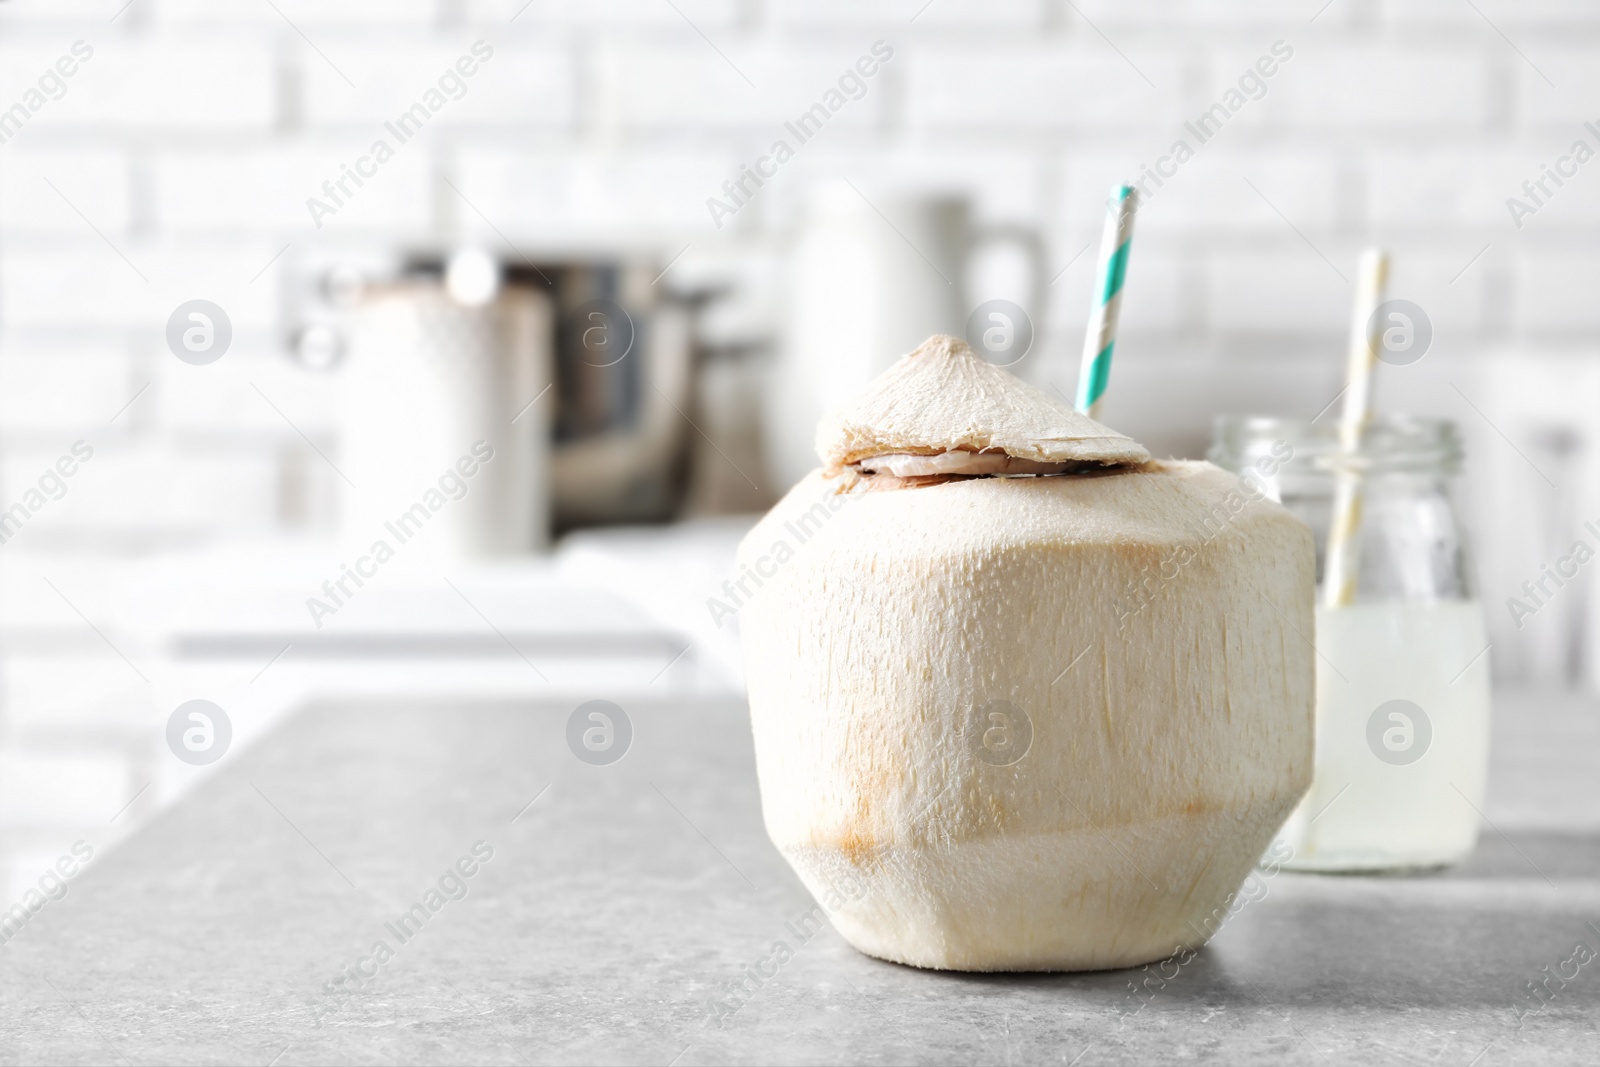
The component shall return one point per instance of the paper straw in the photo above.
(1343, 555)
(1102, 334)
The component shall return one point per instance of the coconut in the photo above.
(1035, 722)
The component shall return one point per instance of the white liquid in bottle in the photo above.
(1402, 738)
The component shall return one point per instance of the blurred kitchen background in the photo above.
(648, 363)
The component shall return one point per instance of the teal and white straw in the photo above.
(1102, 335)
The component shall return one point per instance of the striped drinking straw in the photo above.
(1102, 335)
(1342, 561)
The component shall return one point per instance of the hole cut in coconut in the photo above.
(909, 470)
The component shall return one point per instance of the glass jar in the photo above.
(1403, 671)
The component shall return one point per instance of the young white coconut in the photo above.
(1022, 723)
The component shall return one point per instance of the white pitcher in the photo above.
(872, 274)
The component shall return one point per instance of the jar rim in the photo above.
(1396, 442)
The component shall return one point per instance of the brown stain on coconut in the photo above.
(857, 847)
(984, 808)
(859, 841)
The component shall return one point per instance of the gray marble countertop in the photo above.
(620, 901)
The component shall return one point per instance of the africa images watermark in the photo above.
(803, 529)
(52, 486)
(52, 886)
(852, 85)
(1255, 482)
(1554, 980)
(52, 85)
(409, 123)
(1252, 85)
(454, 482)
(1539, 591)
(1537, 189)
(452, 885)
(1255, 888)
(802, 928)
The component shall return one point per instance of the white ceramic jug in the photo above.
(873, 272)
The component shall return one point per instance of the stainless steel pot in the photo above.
(611, 359)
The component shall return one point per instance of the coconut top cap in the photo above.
(944, 397)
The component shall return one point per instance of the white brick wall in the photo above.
(94, 182)
(784, 81)
(1408, 86)
(1523, 14)
(231, 397)
(1571, 100)
(83, 281)
(411, 13)
(622, 14)
(1556, 291)
(62, 390)
(1449, 188)
(219, 190)
(185, 81)
(517, 86)
(1275, 292)
(1005, 184)
(563, 196)
(1021, 87)
(1212, 192)
(895, 15)
(152, 490)
(65, 12)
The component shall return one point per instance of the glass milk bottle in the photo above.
(1403, 672)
